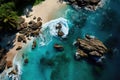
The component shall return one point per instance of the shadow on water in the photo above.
(111, 23)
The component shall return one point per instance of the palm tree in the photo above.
(8, 17)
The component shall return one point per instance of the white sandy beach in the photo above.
(44, 10)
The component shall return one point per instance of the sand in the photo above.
(44, 10)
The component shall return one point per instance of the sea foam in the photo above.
(49, 30)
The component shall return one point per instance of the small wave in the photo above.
(49, 30)
(8, 75)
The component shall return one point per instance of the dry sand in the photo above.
(45, 10)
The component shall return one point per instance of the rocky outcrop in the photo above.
(21, 38)
(19, 47)
(60, 33)
(58, 47)
(31, 28)
(34, 44)
(90, 47)
(26, 61)
(91, 4)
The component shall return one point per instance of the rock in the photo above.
(39, 24)
(9, 64)
(34, 44)
(95, 54)
(13, 72)
(84, 3)
(60, 33)
(19, 47)
(58, 26)
(90, 47)
(81, 53)
(35, 33)
(24, 40)
(21, 38)
(94, 2)
(24, 25)
(31, 22)
(26, 61)
(39, 19)
(34, 17)
(58, 47)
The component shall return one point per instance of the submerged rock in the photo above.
(90, 47)
(34, 44)
(26, 61)
(84, 3)
(58, 47)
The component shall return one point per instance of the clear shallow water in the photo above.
(103, 23)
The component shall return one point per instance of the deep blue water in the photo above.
(104, 23)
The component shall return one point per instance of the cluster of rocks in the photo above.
(21, 38)
(90, 47)
(91, 4)
(60, 32)
(31, 28)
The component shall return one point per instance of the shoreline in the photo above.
(46, 12)
(45, 17)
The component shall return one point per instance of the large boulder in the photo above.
(94, 2)
(35, 33)
(26, 61)
(58, 47)
(60, 33)
(39, 24)
(58, 26)
(90, 47)
(84, 3)
(21, 38)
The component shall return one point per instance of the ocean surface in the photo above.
(45, 63)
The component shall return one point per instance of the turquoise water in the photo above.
(45, 63)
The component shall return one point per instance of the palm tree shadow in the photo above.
(7, 41)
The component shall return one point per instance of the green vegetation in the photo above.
(10, 10)
(8, 17)
(38, 1)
